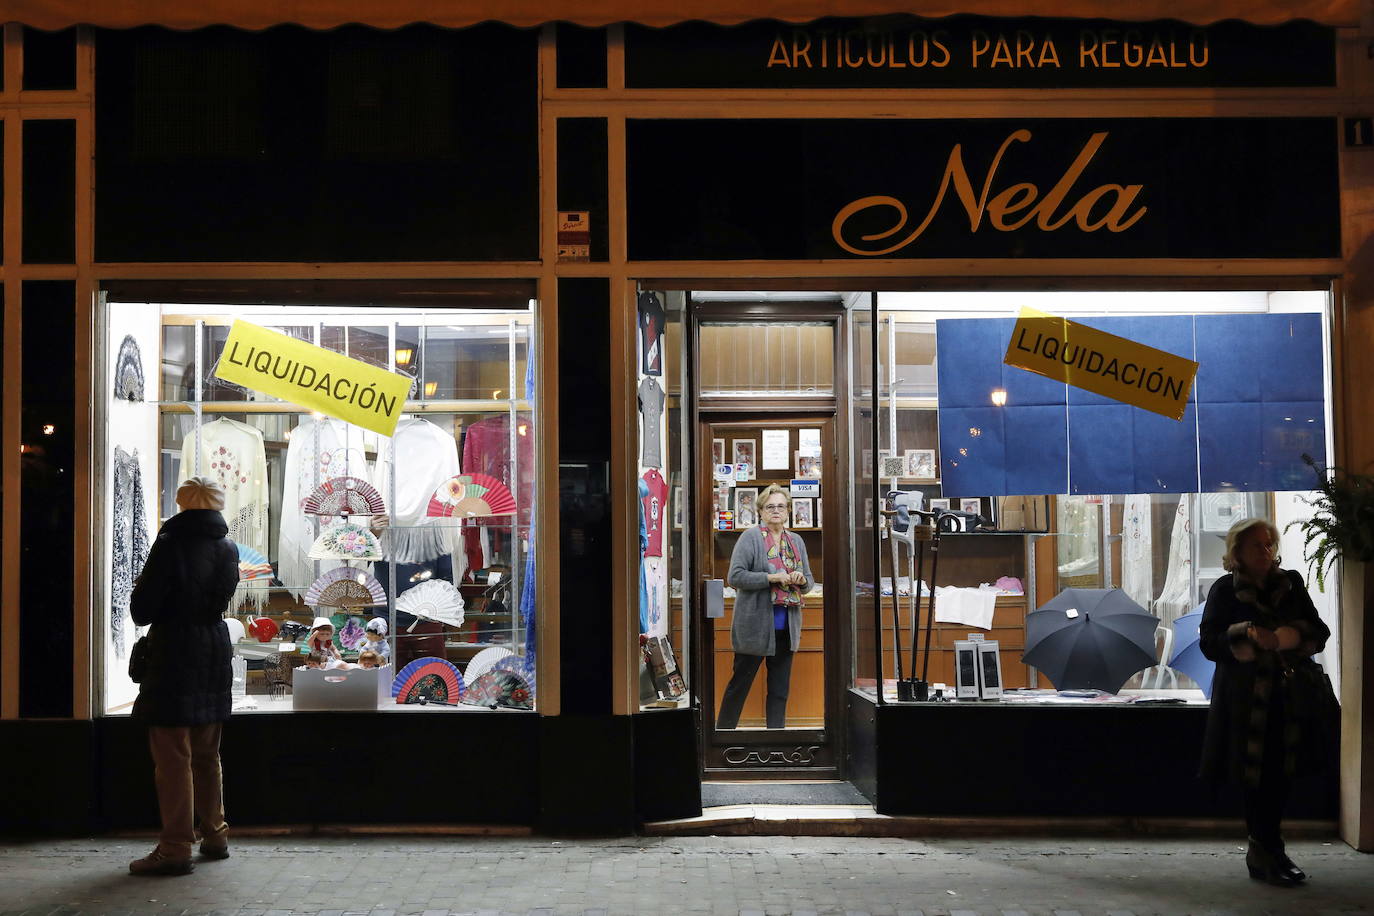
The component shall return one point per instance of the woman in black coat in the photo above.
(185, 683)
(1258, 625)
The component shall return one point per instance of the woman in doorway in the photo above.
(1259, 626)
(770, 573)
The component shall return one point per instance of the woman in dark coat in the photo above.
(185, 685)
(1259, 622)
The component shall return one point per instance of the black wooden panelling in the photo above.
(350, 144)
(583, 178)
(584, 463)
(581, 55)
(49, 60)
(48, 467)
(49, 221)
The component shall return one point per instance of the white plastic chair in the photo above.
(1164, 635)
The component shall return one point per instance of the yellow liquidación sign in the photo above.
(313, 377)
(1102, 363)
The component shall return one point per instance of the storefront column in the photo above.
(1354, 338)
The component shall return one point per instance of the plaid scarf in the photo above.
(1265, 597)
(782, 557)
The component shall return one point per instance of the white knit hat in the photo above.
(321, 622)
(201, 493)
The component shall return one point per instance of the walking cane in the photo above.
(918, 689)
(930, 616)
(896, 606)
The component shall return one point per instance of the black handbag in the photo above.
(1310, 698)
(138, 659)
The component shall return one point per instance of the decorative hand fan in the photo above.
(344, 496)
(344, 587)
(129, 371)
(432, 680)
(483, 661)
(516, 665)
(436, 599)
(252, 564)
(471, 495)
(346, 541)
(352, 636)
(500, 688)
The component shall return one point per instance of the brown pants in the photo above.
(186, 771)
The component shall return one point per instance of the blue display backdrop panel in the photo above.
(987, 450)
(1261, 401)
(1257, 406)
(1117, 448)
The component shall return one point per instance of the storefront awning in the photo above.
(325, 14)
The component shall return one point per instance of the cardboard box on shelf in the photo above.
(341, 688)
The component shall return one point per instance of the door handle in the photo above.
(714, 598)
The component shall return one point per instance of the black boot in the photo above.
(1286, 866)
(1265, 865)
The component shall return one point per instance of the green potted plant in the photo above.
(1342, 522)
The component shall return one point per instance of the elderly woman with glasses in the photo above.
(770, 573)
(1261, 628)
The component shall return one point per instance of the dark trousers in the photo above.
(779, 679)
(1264, 804)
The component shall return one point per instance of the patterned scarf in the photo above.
(782, 557)
(1265, 597)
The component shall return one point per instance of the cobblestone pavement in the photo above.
(734, 876)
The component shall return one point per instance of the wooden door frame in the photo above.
(837, 572)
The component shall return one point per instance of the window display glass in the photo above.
(376, 571)
(664, 603)
(1044, 489)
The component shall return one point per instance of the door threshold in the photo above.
(793, 791)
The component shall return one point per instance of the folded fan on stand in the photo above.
(470, 496)
(436, 600)
(345, 587)
(252, 564)
(499, 688)
(346, 541)
(485, 661)
(428, 680)
(344, 496)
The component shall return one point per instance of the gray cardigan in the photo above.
(751, 632)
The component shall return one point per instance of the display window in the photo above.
(1049, 496)
(664, 513)
(377, 571)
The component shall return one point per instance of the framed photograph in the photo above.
(819, 520)
(803, 512)
(746, 515)
(920, 463)
(973, 505)
(939, 505)
(723, 498)
(807, 465)
(892, 466)
(717, 452)
(677, 507)
(868, 464)
(868, 512)
(745, 452)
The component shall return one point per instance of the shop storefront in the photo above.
(631, 278)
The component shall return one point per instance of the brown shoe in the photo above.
(212, 850)
(157, 863)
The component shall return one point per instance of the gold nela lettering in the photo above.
(1010, 208)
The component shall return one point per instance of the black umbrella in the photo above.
(1090, 639)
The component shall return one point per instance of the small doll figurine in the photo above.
(322, 639)
(369, 659)
(376, 640)
(314, 660)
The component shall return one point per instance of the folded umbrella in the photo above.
(1188, 656)
(1090, 639)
